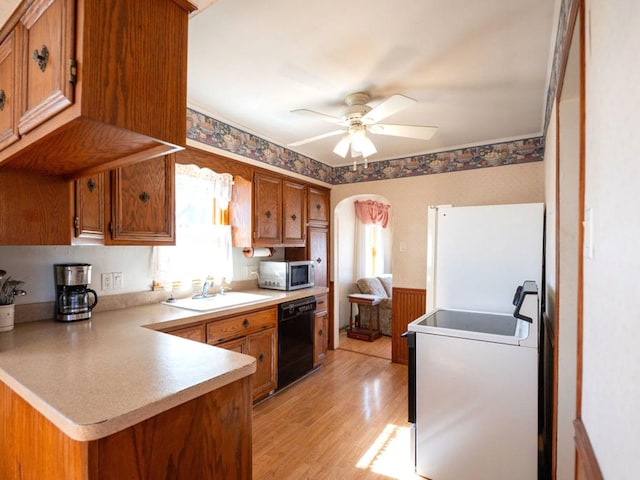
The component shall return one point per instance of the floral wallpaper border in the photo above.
(561, 39)
(208, 130)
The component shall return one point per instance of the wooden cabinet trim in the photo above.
(9, 90)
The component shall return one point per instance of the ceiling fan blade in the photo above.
(391, 105)
(410, 131)
(313, 139)
(320, 116)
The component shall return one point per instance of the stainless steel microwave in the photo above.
(286, 275)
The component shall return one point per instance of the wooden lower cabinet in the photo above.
(253, 333)
(194, 332)
(263, 347)
(320, 330)
(207, 437)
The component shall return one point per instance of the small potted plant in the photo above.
(9, 290)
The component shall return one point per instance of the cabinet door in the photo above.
(89, 209)
(239, 345)
(294, 212)
(321, 337)
(48, 48)
(318, 206)
(318, 240)
(143, 198)
(240, 212)
(263, 346)
(267, 210)
(8, 90)
(195, 332)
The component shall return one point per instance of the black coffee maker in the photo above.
(73, 298)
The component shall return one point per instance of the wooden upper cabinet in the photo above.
(294, 211)
(317, 251)
(46, 55)
(279, 212)
(240, 212)
(318, 206)
(87, 76)
(143, 203)
(88, 222)
(8, 92)
(267, 210)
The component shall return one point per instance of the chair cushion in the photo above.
(387, 282)
(371, 286)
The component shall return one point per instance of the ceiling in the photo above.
(478, 70)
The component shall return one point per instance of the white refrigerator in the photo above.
(477, 255)
(475, 354)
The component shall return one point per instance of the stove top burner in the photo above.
(480, 322)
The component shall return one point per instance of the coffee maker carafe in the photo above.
(73, 298)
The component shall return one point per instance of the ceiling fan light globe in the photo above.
(368, 148)
(342, 147)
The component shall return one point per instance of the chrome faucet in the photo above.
(224, 289)
(205, 290)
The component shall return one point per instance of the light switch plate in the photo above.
(118, 280)
(588, 233)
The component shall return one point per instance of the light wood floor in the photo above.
(378, 348)
(347, 420)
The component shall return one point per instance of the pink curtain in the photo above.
(371, 212)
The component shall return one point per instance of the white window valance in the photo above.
(208, 183)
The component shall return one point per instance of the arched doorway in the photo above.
(344, 226)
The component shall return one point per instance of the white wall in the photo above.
(411, 196)
(34, 266)
(611, 342)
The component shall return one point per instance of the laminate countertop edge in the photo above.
(94, 378)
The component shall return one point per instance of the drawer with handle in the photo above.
(240, 325)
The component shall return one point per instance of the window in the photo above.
(373, 217)
(203, 235)
(373, 251)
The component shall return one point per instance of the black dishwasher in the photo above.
(295, 339)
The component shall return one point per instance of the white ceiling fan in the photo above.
(361, 119)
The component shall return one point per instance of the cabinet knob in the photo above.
(3, 98)
(261, 357)
(91, 185)
(144, 196)
(318, 206)
(42, 57)
(319, 333)
(319, 260)
(245, 323)
(293, 217)
(268, 214)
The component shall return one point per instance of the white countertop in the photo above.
(95, 377)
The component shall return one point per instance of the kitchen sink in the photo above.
(230, 299)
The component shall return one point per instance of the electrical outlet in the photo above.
(107, 281)
(118, 280)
